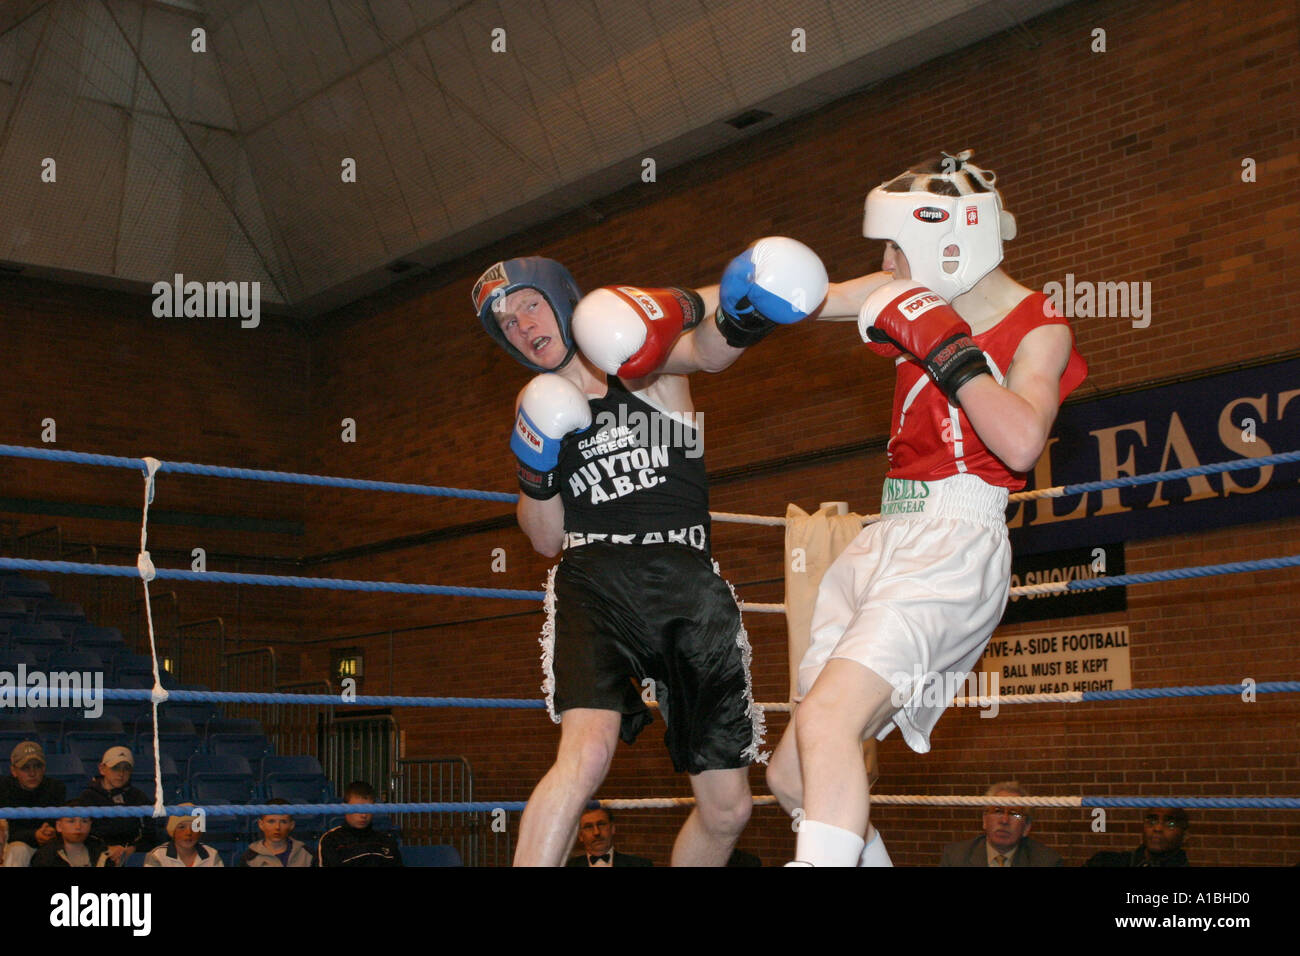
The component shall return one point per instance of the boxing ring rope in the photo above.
(73, 697)
(644, 803)
(146, 571)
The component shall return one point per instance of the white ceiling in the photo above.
(226, 164)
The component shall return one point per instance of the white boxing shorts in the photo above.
(916, 596)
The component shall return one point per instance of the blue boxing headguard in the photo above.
(549, 278)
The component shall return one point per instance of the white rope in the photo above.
(1056, 587)
(736, 518)
(144, 564)
(1057, 492)
(762, 608)
(912, 800)
(1064, 697)
(884, 799)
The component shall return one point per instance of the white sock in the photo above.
(874, 853)
(821, 844)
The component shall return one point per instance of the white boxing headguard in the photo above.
(924, 213)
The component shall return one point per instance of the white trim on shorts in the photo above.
(918, 593)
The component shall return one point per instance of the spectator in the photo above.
(184, 848)
(74, 845)
(112, 788)
(357, 843)
(596, 830)
(1163, 830)
(277, 847)
(1006, 839)
(27, 786)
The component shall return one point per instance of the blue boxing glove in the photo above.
(550, 407)
(776, 281)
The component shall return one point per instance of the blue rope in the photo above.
(257, 809)
(76, 697)
(239, 697)
(483, 806)
(1174, 574)
(1128, 481)
(253, 474)
(267, 580)
(1146, 693)
(1192, 803)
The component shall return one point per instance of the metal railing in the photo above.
(199, 653)
(481, 839)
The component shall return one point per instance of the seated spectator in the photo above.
(112, 788)
(277, 848)
(596, 830)
(27, 786)
(74, 845)
(184, 848)
(1163, 830)
(1006, 839)
(357, 843)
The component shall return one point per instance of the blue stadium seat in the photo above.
(166, 725)
(218, 780)
(180, 747)
(9, 739)
(235, 725)
(196, 712)
(252, 747)
(128, 712)
(77, 723)
(172, 782)
(26, 588)
(65, 616)
(41, 638)
(290, 763)
(298, 788)
(11, 657)
(88, 746)
(69, 769)
(13, 609)
(431, 856)
(68, 658)
(105, 641)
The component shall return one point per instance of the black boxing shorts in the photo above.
(623, 613)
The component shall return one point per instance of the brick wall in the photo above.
(1120, 166)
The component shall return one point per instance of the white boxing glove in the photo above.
(628, 331)
(550, 407)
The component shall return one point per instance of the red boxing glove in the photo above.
(910, 317)
(629, 331)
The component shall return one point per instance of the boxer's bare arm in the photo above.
(1014, 420)
(703, 349)
(844, 299)
(543, 522)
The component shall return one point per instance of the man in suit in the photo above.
(1163, 830)
(1006, 839)
(596, 831)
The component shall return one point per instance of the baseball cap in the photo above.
(25, 753)
(116, 755)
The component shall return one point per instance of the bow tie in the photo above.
(593, 859)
